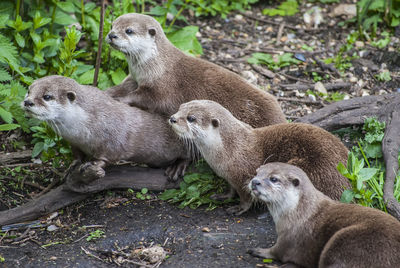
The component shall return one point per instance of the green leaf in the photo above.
(66, 6)
(3, 20)
(4, 75)
(37, 149)
(185, 39)
(9, 54)
(20, 40)
(39, 21)
(118, 76)
(367, 173)
(6, 116)
(347, 196)
(168, 194)
(144, 191)
(267, 260)
(7, 127)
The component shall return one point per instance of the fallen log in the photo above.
(385, 108)
(117, 177)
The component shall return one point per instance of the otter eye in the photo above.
(273, 179)
(191, 118)
(47, 97)
(129, 31)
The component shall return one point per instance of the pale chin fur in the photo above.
(139, 51)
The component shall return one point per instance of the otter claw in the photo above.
(260, 252)
(91, 171)
(236, 210)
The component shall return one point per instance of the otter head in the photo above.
(199, 122)
(136, 35)
(279, 185)
(48, 98)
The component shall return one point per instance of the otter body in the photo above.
(100, 127)
(162, 77)
(315, 231)
(234, 150)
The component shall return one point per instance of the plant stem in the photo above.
(176, 16)
(83, 14)
(168, 6)
(18, 8)
(143, 5)
(53, 17)
(98, 59)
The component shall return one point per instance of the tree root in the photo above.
(385, 108)
(135, 178)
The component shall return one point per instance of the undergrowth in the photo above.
(366, 170)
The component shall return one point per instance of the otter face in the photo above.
(135, 35)
(194, 122)
(47, 97)
(276, 184)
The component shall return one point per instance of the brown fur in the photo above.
(243, 149)
(171, 78)
(102, 128)
(319, 232)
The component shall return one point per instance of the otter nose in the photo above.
(172, 120)
(255, 183)
(111, 36)
(28, 103)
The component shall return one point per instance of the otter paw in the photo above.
(177, 170)
(91, 172)
(260, 252)
(236, 210)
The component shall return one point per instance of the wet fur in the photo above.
(162, 82)
(101, 127)
(234, 150)
(320, 232)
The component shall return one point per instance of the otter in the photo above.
(99, 127)
(234, 150)
(315, 231)
(162, 77)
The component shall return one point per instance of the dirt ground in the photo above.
(191, 238)
(200, 238)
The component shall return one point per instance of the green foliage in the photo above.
(219, 7)
(143, 194)
(50, 146)
(95, 235)
(330, 97)
(365, 168)
(370, 13)
(342, 60)
(287, 8)
(273, 63)
(384, 76)
(383, 42)
(2, 259)
(324, 1)
(196, 189)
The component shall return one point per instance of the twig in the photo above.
(19, 165)
(91, 254)
(86, 235)
(265, 72)
(98, 59)
(26, 183)
(280, 32)
(4, 235)
(300, 100)
(295, 78)
(55, 181)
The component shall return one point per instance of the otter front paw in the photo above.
(261, 252)
(91, 172)
(177, 170)
(236, 210)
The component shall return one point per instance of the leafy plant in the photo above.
(287, 8)
(384, 76)
(95, 235)
(143, 194)
(196, 189)
(273, 63)
(220, 7)
(383, 42)
(371, 143)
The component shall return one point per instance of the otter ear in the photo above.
(215, 122)
(71, 95)
(295, 182)
(152, 31)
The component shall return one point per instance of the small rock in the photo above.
(360, 83)
(198, 35)
(359, 44)
(53, 258)
(300, 57)
(154, 254)
(349, 10)
(320, 88)
(170, 17)
(52, 228)
(312, 97)
(398, 90)
(383, 92)
(365, 93)
(205, 229)
(250, 77)
(353, 79)
(269, 29)
(239, 17)
(346, 97)
(37, 161)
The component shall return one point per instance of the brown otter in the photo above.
(104, 129)
(162, 77)
(315, 231)
(234, 150)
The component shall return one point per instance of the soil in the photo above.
(196, 238)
